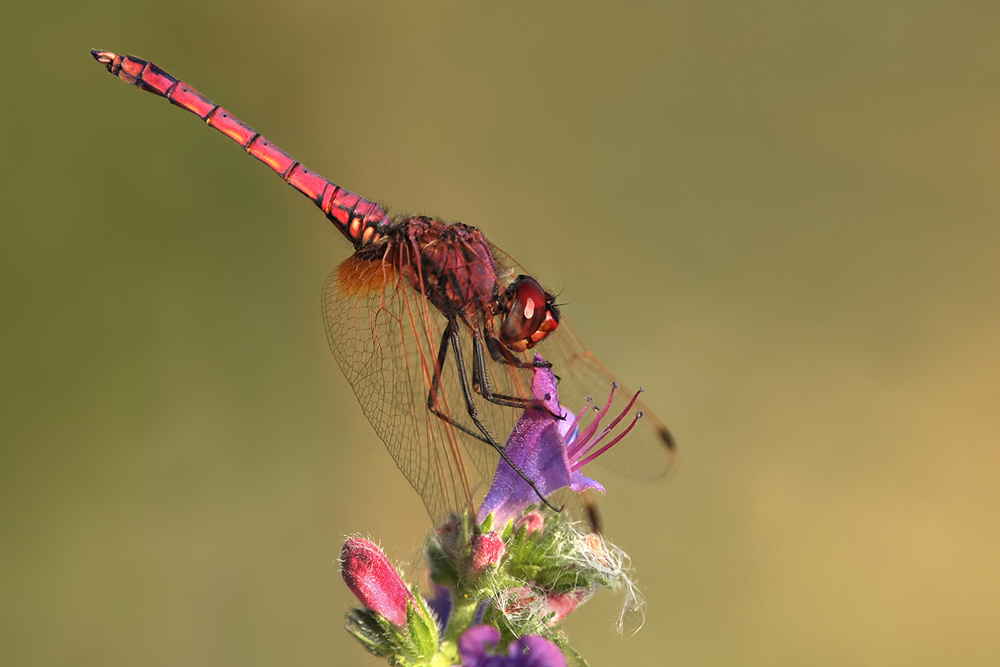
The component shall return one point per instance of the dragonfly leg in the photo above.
(502, 355)
(481, 379)
(432, 402)
(482, 384)
(454, 333)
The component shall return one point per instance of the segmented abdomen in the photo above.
(360, 220)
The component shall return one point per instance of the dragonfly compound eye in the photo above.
(531, 317)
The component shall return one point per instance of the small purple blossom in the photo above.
(549, 450)
(528, 651)
(374, 581)
(440, 604)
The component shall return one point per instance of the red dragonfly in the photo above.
(416, 293)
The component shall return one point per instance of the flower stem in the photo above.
(463, 613)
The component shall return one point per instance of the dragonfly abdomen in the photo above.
(360, 220)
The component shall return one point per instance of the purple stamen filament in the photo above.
(579, 416)
(581, 444)
(577, 466)
(583, 447)
(617, 419)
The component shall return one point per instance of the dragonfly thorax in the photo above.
(452, 265)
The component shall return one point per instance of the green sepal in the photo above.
(374, 632)
(422, 630)
(414, 645)
(573, 659)
(508, 530)
(546, 559)
(440, 566)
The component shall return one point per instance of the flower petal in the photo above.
(537, 446)
(440, 604)
(472, 643)
(528, 651)
(535, 651)
(580, 482)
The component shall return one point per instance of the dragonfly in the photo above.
(433, 325)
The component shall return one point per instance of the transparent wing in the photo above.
(647, 453)
(387, 339)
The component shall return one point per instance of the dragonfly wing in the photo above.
(386, 339)
(647, 453)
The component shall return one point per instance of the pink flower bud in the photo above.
(487, 549)
(533, 521)
(523, 598)
(373, 580)
(516, 600)
(562, 604)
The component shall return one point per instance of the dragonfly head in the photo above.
(529, 314)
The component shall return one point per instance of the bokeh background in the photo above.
(780, 217)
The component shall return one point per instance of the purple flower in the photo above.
(529, 651)
(374, 581)
(440, 604)
(549, 450)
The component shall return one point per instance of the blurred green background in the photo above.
(781, 218)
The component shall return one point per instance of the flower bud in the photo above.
(527, 601)
(487, 549)
(561, 604)
(532, 521)
(374, 581)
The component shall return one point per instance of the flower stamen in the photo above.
(617, 419)
(580, 464)
(584, 437)
(576, 420)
